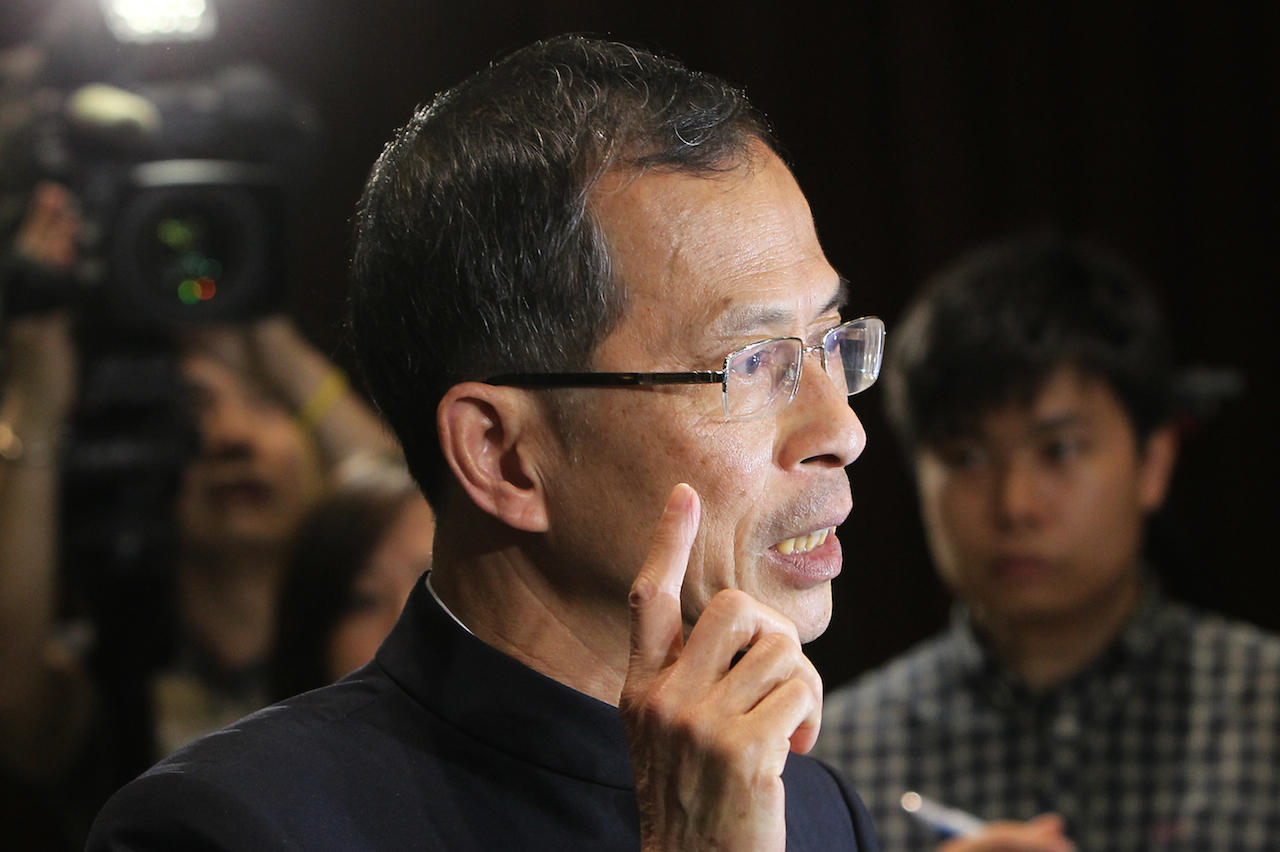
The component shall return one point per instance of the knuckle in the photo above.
(659, 708)
(643, 590)
(798, 690)
(779, 644)
(730, 602)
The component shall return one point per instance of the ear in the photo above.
(492, 438)
(1155, 467)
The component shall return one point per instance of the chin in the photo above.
(810, 632)
(811, 614)
(1029, 610)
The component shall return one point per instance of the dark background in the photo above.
(917, 130)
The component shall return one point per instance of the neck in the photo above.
(1047, 651)
(228, 604)
(507, 601)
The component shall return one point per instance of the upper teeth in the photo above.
(804, 543)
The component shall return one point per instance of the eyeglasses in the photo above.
(757, 380)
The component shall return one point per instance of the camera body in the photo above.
(188, 191)
(197, 240)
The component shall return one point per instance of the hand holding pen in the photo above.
(963, 832)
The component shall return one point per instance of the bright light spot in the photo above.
(196, 290)
(159, 20)
(188, 292)
(174, 233)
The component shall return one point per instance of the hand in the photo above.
(226, 342)
(279, 350)
(43, 369)
(1042, 834)
(51, 229)
(709, 738)
(269, 351)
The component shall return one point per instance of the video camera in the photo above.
(186, 188)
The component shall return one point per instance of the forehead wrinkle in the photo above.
(672, 238)
(673, 264)
(737, 319)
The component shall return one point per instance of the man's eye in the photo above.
(1062, 449)
(753, 363)
(964, 457)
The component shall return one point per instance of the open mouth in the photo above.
(804, 543)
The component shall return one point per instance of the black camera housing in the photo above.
(198, 240)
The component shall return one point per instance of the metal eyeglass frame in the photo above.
(707, 377)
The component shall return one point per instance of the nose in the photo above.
(226, 427)
(1016, 495)
(819, 427)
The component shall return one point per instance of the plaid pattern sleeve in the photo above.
(1170, 741)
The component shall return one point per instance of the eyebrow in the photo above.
(1039, 427)
(1057, 422)
(740, 319)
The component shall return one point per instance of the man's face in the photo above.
(1038, 515)
(256, 472)
(710, 265)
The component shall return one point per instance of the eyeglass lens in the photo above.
(763, 377)
(856, 346)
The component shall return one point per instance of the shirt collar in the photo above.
(1140, 638)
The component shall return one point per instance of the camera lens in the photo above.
(197, 250)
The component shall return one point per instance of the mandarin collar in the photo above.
(501, 702)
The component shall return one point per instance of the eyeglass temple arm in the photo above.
(605, 380)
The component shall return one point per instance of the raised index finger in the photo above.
(657, 627)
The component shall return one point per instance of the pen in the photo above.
(946, 821)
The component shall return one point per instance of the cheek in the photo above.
(962, 511)
(287, 450)
(631, 455)
(677, 442)
(732, 462)
(730, 465)
(955, 525)
(1105, 515)
(284, 442)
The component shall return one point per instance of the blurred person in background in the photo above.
(274, 418)
(356, 557)
(261, 417)
(273, 415)
(1031, 386)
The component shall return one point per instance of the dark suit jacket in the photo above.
(442, 743)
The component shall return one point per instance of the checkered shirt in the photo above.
(1169, 741)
